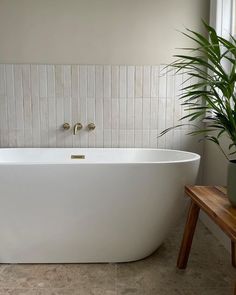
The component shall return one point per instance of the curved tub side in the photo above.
(88, 213)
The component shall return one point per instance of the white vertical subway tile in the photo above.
(2, 80)
(83, 138)
(130, 106)
(76, 141)
(51, 106)
(107, 114)
(83, 81)
(178, 84)
(130, 138)
(162, 114)
(107, 81)
(115, 138)
(26, 75)
(177, 111)
(42, 80)
(50, 81)
(122, 113)
(138, 138)
(44, 121)
(74, 96)
(162, 82)
(122, 138)
(99, 113)
(4, 131)
(35, 105)
(123, 82)
(138, 81)
(177, 139)
(9, 80)
(154, 113)
(153, 138)
(169, 112)
(115, 113)
(34, 70)
(138, 113)
(91, 81)
(154, 81)
(169, 140)
(74, 81)
(59, 121)
(59, 80)
(91, 110)
(115, 82)
(130, 114)
(186, 79)
(52, 127)
(83, 111)
(130, 81)
(184, 109)
(170, 85)
(92, 139)
(107, 138)
(161, 143)
(99, 138)
(67, 119)
(146, 113)
(164, 69)
(18, 90)
(11, 105)
(67, 81)
(146, 81)
(68, 137)
(99, 81)
(146, 138)
(185, 140)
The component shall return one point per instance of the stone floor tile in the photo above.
(209, 272)
(58, 276)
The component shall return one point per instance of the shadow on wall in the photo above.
(215, 164)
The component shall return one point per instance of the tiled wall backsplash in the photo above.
(130, 105)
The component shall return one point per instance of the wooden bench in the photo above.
(214, 202)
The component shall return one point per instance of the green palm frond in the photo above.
(211, 94)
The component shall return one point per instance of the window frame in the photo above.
(222, 16)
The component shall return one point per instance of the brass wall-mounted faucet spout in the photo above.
(77, 127)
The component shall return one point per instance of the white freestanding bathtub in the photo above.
(105, 205)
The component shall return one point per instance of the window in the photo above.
(223, 16)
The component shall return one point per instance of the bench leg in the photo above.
(233, 253)
(188, 236)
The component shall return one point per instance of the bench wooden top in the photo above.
(214, 202)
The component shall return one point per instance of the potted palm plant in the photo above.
(210, 99)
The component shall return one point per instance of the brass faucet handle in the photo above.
(91, 126)
(66, 126)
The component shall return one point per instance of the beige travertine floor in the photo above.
(209, 273)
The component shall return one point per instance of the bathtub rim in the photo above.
(195, 157)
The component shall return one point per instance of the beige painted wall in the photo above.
(215, 173)
(95, 31)
(215, 164)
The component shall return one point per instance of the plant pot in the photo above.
(231, 182)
